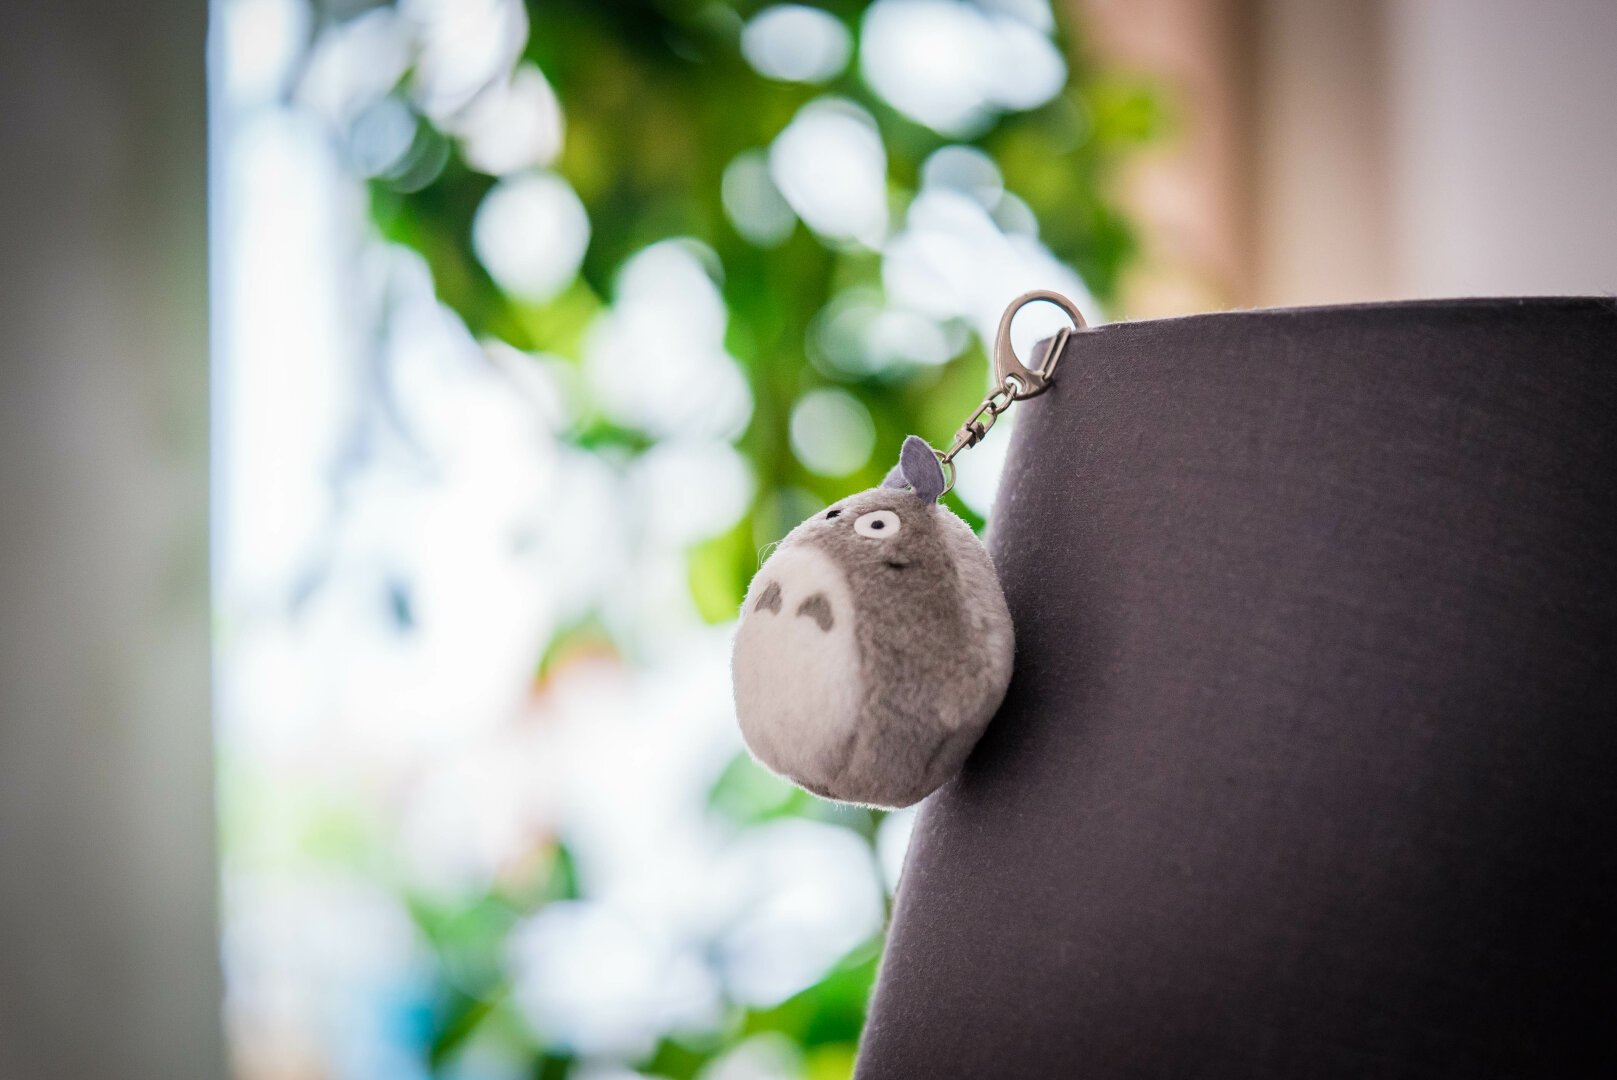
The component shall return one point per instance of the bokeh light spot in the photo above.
(690, 490)
(530, 233)
(355, 64)
(592, 980)
(516, 124)
(262, 39)
(381, 136)
(795, 43)
(953, 261)
(807, 893)
(830, 165)
(858, 334)
(656, 360)
(952, 66)
(831, 432)
(752, 202)
(965, 169)
(465, 46)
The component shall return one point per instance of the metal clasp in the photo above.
(1012, 381)
(1009, 372)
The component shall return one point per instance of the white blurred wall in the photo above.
(108, 959)
(1329, 151)
(1417, 148)
(1503, 136)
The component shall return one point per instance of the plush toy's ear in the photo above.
(917, 469)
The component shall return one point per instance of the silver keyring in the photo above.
(1008, 369)
(946, 463)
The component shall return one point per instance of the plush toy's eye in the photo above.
(878, 523)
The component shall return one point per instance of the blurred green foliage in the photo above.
(658, 100)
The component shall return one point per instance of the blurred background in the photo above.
(535, 324)
(397, 398)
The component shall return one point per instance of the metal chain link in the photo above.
(978, 423)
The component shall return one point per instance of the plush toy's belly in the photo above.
(796, 666)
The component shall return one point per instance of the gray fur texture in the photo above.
(874, 647)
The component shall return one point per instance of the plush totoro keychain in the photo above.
(874, 644)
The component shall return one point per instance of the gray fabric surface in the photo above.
(1309, 762)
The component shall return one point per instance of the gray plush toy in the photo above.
(874, 644)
